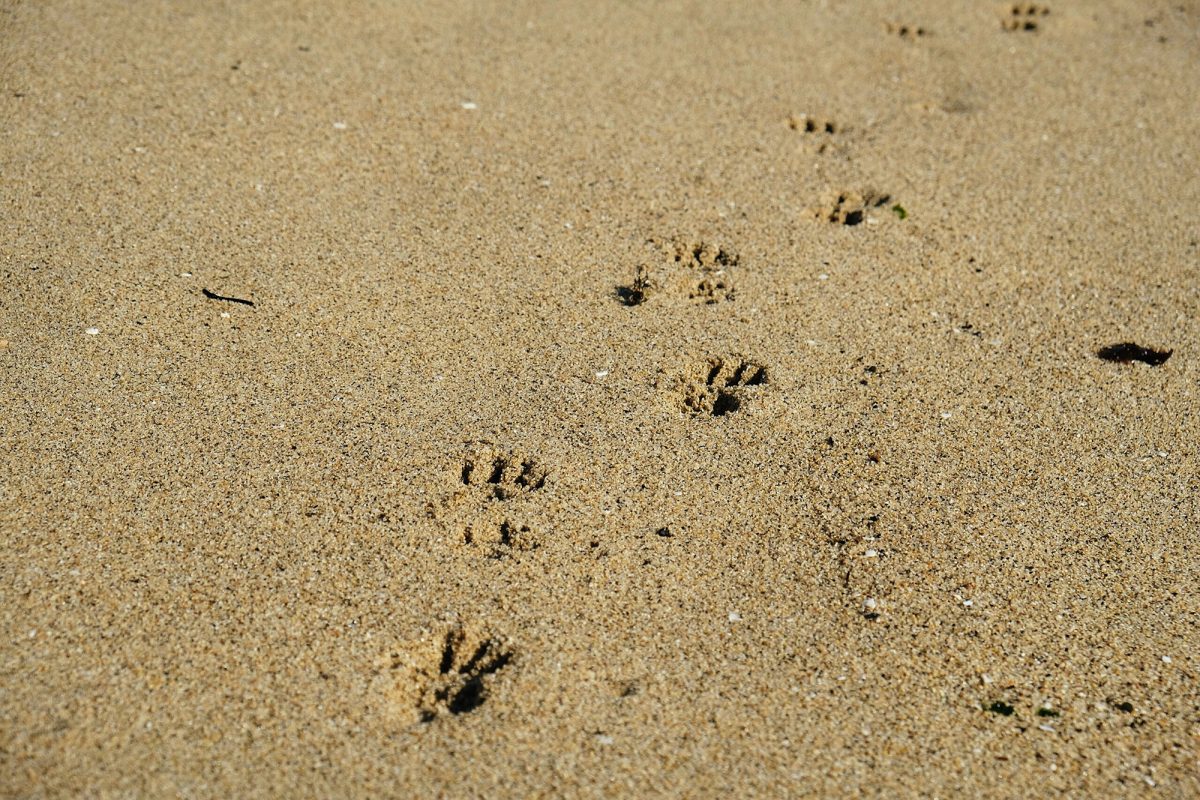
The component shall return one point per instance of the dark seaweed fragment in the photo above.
(1127, 352)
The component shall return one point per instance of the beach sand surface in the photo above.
(686, 399)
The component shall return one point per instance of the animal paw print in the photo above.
(449, 675)
(715, 387)
(848, 208)
(498, 541)
(502, 475)
(708, 264)
(698, 272)
(909, 32)
(809, 124)
(817, 131)
(493, 484)
(1023, 17)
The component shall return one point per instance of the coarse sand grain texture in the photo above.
(581, 399)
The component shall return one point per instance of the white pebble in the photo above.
(823, 277)
(225, 315)
(735, 616)
(870, 604)
(92, 331)
(604, 739)
(468, 106)
(1166, 659)
(945, 415)
(602, 373)
(341, 126)
(871, 553)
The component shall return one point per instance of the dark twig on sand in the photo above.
(215, 296)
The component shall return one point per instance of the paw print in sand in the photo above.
(502, 475)
(714, 387)
(699, 272)
(847, 207)
(1023, 17)
(495, 489)
(444, 676)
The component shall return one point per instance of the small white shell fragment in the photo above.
(870, 604)
(469, 106)
(224, 315)
(735, 616)
(602, 373)
(945, 415)
(1166, 659)
(871, 554)
(341, 126)
(92, 331)
(604, 739)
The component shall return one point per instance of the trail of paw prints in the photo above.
(482, 514)
(697, 272)
(851, 207)
(445, 675)
(1023, 17)
(713, 387)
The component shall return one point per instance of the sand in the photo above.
(681, 399)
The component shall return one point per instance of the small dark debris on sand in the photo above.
(1127, 352)
(215, 296)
